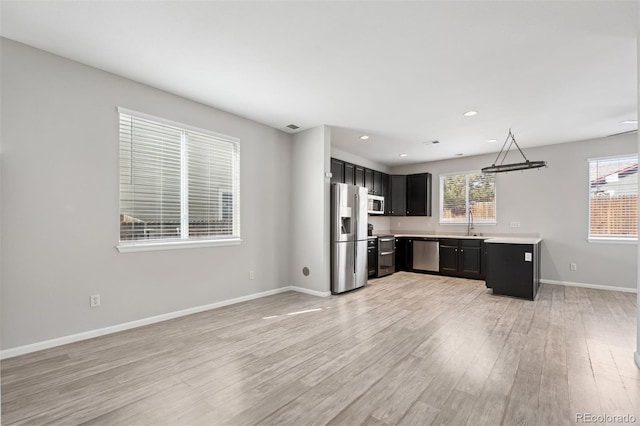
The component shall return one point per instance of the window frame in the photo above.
(466, 221)
(185, 242)
(608, 239)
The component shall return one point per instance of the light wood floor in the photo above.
(407, 349)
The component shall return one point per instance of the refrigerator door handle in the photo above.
(355, 253)
(356, 216)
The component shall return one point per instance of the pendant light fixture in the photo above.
(501, 168)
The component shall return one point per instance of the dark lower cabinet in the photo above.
(372, 257)
(449, 257)
(513, 269)
(404, 256)
(462, 258)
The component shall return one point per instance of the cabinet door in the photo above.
(398, 195)
(349, 174)
(419, 194)
(359, 176)
(368, 180)
(401, 254)
(377, 183)
(337, 171)
(449, 257)
(372, 259)
(470, 262)
(416, 199)
(386, 194)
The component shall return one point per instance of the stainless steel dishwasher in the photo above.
(426, 255)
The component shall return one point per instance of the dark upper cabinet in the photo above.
(385, 193)
(349, 174)
(377, 183)
(337, 171)
(398, 195)
(403, 195)
(359, 176)
(368, 180)
(419, 194)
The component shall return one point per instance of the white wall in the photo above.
(310, 210)
(356, 159)
(59, 211)
(551, 202)
(637, 354)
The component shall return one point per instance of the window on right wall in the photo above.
(613, 198)
(465, 196)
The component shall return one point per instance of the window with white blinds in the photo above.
(177, 183)
(468, 197)
(613, 198)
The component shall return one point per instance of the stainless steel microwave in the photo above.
(376, 204)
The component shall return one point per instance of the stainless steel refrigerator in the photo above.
(348, 237)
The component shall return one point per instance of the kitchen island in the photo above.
(513, 266)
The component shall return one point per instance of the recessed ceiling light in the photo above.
(470, 113)
(402, 155)
(629, 122)
(492, 140)
(364, 137)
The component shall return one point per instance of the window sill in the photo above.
(633, 241)
(467, 223)
(174, 245)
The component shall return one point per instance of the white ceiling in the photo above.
(401, 72)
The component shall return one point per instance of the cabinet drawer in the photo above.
(470, 243)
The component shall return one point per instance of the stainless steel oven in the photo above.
(386, 255)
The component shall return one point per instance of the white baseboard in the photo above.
(59, 341)
(636, 356)
(311, 292)
(594, 286)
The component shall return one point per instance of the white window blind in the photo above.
(467, 196)
(176, 183)
(613, 198)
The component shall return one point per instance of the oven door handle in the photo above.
(386, 253)
(386, 239)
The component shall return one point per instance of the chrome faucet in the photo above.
(470, 224)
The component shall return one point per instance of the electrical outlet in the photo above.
(94, 300)
(515, 224)
(573, 266)
(252, 275)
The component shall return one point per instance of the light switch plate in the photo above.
(528, 257)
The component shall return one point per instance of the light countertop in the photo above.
(487, 238)
(514, 240)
